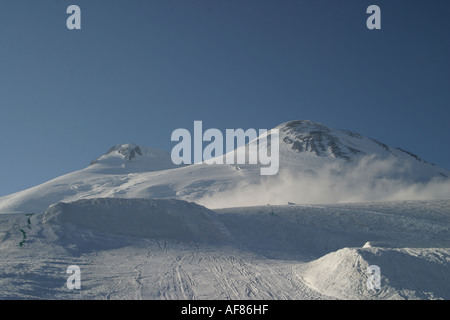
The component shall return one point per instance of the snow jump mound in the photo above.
(149, 218)
(404, 273)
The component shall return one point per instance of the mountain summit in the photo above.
(131, 158)
(128, 151)
(308, 136)
(314, 138)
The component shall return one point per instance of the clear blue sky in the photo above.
(137, 70)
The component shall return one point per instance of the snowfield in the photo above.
(174, 249)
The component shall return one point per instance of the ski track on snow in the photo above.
(252, 260)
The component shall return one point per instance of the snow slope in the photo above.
(172, 249)
(317, 165)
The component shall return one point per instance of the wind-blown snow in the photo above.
(368, 179)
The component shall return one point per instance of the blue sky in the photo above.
(137, 70)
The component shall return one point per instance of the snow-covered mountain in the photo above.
(125, 222)
(311, 156)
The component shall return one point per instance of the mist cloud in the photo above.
(370, 179)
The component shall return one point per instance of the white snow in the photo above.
(376, 173)
(172, 249)
(406, 273)
(141, 228)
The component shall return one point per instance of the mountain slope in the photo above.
(317, 164)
